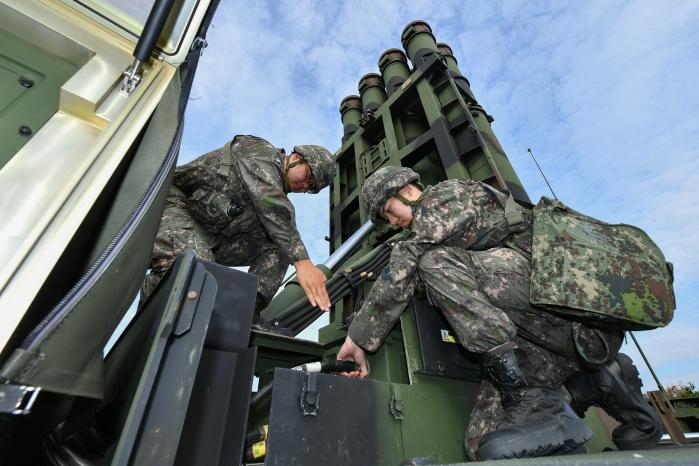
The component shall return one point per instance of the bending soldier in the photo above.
(475, 266)
(231, 207)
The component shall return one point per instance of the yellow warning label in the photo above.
(447, 336)
(259, 449)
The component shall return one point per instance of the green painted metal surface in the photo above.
(600, 441)
(30, 81)
(434, 125)
(422, 125)
(667, 456)
(402, 133)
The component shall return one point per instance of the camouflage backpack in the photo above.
(597, 273)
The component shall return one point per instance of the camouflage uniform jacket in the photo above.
(241, 192)
(462, 213)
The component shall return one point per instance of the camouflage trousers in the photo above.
(178, 231)
(485, 297)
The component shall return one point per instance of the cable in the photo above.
(301, 314)
(338, 286)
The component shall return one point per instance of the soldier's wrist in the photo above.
(298, 252)
(357, 332)
(302, 262)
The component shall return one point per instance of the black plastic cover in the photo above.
(442, 354)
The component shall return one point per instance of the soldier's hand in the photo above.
(351, 352)
(312, 280)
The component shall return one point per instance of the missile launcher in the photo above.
(185, 381)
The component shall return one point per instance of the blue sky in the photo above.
(604, 92)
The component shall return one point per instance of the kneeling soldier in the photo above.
(474, 262)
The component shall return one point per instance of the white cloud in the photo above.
(603, 92)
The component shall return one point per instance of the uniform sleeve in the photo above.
(194, 174)
(438, 220)
(274, 209)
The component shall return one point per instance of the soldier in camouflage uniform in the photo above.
(231, 207)
(471, 249)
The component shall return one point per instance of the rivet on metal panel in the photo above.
(192, 295)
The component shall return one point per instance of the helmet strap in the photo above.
(408, 202)
(403, 200)
(290, 165)
(296, 162)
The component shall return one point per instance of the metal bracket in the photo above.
(374, 157)
(662, 405)
(309, 395)
(132, 76)
(199, 43)
(396, 406)
(17, 399)
(190, 303)
(366, 119)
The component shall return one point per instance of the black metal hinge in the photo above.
(309, 395)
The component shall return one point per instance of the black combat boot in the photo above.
(537, 420)
(616, 388)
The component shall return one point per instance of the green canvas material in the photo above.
(598, 273)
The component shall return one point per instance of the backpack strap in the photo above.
(225, 166)
(513, 214)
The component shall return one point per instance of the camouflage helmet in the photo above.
(321, 162)
(382, 185)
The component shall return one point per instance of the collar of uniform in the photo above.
(283, 162)
(417, 206)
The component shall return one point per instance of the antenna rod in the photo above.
(643, 355)
(542, 173)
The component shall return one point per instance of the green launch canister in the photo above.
(372, 90)
(453, 67)
(418, 42)
(483, 120)
(350, 112)
(394, 69)
(449, 58)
